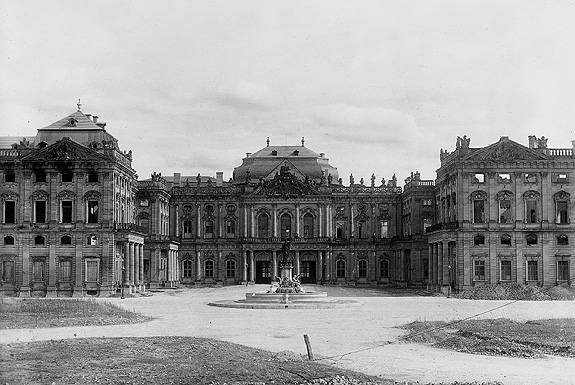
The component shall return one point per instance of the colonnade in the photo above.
(440, 267)
(134, 266)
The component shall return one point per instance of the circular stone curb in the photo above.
(243, 304)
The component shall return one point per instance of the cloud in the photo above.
(373, 124)
(246, 95)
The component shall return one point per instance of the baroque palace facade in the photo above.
(76, 221)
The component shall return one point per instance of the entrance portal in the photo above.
(308, 272)
(263, 272)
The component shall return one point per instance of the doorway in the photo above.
(308, 272)
(263, 272)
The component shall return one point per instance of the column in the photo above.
(245, 221)
(198, 220)
(132, 263)
(297, 263)
(245, 271)
(253, 218)
(319, 269)
(220, 219)
(297, 220)
(274, 222)
(440, 263)
(320, 219)
(274, 264)
(136, 264)
(126, 263)
(25, 289)
(198, 266)
(252, 267)
(445, 259)
(430, 266)
(52, 271)
(352, 229)
(328, 266)
(141, 247)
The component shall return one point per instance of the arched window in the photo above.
(187, 268)
(561, 207)
(209, 269)
(230, 268)
(263, 226)
(478, 198)
(66, 240)
(8, 240)
(384, 268)
(39, 240)
(479, 240)
(531, 199)
(308, 226)
(362, 268)
(505, 239)
(531, 239)
(340, 268)
(505, 204)
(285, 223)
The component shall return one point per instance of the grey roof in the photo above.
(6, 142)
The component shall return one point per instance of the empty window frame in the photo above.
(561, 211)
(308, 226)
(263, 226)
(505, 209)
(478, 211)
(479, 240)
(67, 176)
(531, 239)
(66, 240)
(10, 177)
(504, 178)
(478, 177)
(9, 212)
(531, 214)
(40, 177)
(92, 207)
(66, 211)
(39, 211)
(39, 240)
(93, 177)
(562, 240)
(8, 240)
(505, 240)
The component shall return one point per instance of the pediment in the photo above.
(286, 183)
(505, 151)
(65, 150)
(282, 165)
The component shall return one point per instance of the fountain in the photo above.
(285, 291)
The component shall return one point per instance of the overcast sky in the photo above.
(380, 87)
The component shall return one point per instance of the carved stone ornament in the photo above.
(66, 194)
(92, 195)
(504, 196)
(362, 254)
(286, 185)
(285, 210)
(308, 210)
(39, 194)
(262, 210)
(531, 195)
(478, 195)
(143, 215)
(562, 195)
(231, 209)
(362, 216)
(340, 212)
(9, 196)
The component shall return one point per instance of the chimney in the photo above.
(248, 154)
(219, 178)
(177, 176)
(95, 118)
(321, 154)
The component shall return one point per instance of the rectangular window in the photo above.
(92, 270)
(92, 178)
(383, 229)
(231, 229)
(66, 211)
(478, 211)
(563, 270)
(230, 269)
(531, 211)
(479, 270)
(340, 269)
(427, 202)
(92, 211)
(40, 177)
(187, 229)
(561, 213)
(505, 271)
(561, 178)
(209, 233)
(40, 211)
(67, 177)
(532, 273)
(65, 270)
(504, 178)
(9, 212)
(10, 177)
(479, 178)
(362, 269)
(8, 271)
(505, 211)
(38, 271)
(209, 269)
(187, 269)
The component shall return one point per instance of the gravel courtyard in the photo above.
(353, 337)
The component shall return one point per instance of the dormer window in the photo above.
(296, 153)
(274, 153)
(72, 122)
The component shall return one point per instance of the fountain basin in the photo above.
(263, 300)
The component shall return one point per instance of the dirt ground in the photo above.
(362, 338)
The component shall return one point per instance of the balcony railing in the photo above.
(132, 227)
(442, 226)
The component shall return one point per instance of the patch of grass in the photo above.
(163, 360)
(503, 337)
(38, 313)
